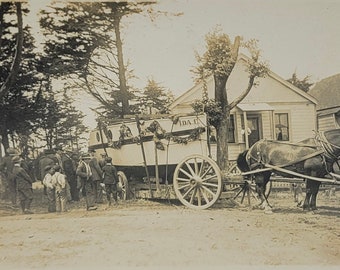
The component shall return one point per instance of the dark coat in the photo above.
(67, 167)
(96, 170)
(110, 174)
(6, 166)
(22, 178)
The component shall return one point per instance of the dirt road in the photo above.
(163, 235)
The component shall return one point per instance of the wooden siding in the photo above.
(234, 149)
(302, 119)
(326, 122)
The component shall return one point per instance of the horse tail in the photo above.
(242, 163)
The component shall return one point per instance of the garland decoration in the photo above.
(193, 136)
(124, 132)
(158, 134)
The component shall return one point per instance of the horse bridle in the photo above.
(327, 146)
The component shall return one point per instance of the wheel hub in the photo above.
(195, 181)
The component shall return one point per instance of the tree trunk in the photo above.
(222, 127)
(222, 144)
(4, 138)
(17, 58)
(121, 67)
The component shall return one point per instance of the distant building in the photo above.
(326, 92)
(275, 109)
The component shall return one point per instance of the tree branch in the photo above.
(243, 95)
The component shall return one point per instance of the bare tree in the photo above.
(219, 61)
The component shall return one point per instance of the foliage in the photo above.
(219, 60)
(49, 116)
(15, 64)
(19, 106)
(60, 121)
(211, 108)
(154, 98)
(84, 41)
(70, 126)
(303, 84)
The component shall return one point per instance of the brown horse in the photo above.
(312, 157)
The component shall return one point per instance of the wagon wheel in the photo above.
(122, 186)
(197, 182)
(244, 190)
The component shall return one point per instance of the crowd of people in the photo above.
(66, 177)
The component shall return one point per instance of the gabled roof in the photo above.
(292, 87)
(242, 57)
(328, 111)
(327, 92)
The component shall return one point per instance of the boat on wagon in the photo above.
(163, 153)
(169, 157)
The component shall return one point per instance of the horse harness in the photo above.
(322, 145)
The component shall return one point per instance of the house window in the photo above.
(281, 127)
(231, 132)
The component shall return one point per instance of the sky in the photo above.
(301, 36)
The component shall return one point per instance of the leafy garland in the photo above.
(158, 134)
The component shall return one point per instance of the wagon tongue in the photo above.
(335, 176)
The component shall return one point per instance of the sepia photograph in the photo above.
(169, 134)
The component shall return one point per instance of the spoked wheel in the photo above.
(122, 186)
(197, 182)
(246, 193)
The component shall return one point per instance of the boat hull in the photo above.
(159, 148)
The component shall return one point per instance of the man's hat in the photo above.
(86, 156)
(47, 168)
(58, 147)
(56, 167)
(108, 159)
(48, 151)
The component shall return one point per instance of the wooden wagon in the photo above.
(169, 157)
(162, 157)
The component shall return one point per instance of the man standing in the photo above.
(6, 166)
(66, 164)
(97, 177)
(102, 160)
(24, 186)
(87, 185)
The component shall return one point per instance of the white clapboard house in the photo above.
(274, 109)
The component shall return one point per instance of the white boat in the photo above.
(132, 143)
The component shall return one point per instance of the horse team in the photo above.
(313, 158)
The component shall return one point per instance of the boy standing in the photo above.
(50, 188)
(110, 179)
(60, 184)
